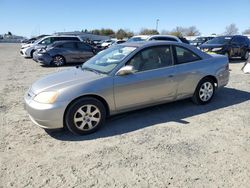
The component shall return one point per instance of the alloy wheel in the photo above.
(206, 91)
(87, 117)
(58, 61)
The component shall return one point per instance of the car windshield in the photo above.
(136, 39)
(199, 39)
(219, 40)
(105, 61)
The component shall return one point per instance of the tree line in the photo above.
(177, 31)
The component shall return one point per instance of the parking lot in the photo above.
(173, 145)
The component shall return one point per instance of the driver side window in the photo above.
(151, 58)
(46, 41)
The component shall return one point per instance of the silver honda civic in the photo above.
(124, 78)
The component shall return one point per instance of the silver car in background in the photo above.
(124, 78)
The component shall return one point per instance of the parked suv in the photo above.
(200, 40)
(27, 50)
(231, 46)
(59, 53)
(140, 38)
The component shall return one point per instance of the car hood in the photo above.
(26, 45)
(59, 80)
(211, 45)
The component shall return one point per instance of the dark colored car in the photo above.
(184, 40)
(62, 52)
(200, 40)
(231, 46)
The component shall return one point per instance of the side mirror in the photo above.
(128, 69)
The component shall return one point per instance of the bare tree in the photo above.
(247, 31)
(178, 31)
(192, 31)
(231, 30)
(148, 32)
(165, 32)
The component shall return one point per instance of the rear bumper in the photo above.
(223, 78)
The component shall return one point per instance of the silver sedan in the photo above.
(124, 78)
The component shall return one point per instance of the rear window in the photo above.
(70, 45)
(184, 55)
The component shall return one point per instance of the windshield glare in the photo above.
(105, 61)
(219, 40)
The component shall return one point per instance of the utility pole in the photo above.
(157, 22)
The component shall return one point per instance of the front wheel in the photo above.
(85, 116)
(204, 91)
(58, 61)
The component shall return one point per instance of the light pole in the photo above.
(157, 21)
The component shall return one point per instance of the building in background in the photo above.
(85, 36)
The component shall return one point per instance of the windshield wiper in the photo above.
(92, 70)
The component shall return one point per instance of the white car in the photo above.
(27, 50)
(139, 38)
(107, 43)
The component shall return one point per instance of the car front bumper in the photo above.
(221, 52)
(24, 52)
(47, 116)
(42, 58)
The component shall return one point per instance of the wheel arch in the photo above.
(101, 99)
(212, 78)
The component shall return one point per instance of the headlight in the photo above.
(46, 97)
(216, 49)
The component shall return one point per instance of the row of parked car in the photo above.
(59, 50)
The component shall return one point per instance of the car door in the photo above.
(235, 46)
(84, 51)
(152, 81)
(188, 69)
(70, 52)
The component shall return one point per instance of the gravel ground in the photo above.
(173, 145)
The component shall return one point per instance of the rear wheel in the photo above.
(85, 116)
(204, 91)
(58, 61)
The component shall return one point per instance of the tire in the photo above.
(31, 53)
(245, 56)
(85, 116)
(204, 91)
(58, 61)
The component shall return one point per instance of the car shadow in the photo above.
(171, 112)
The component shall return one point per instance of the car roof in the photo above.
(145, 44)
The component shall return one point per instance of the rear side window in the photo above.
(82, 46)
(184, 55)
(69, 45)
(236, 40)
